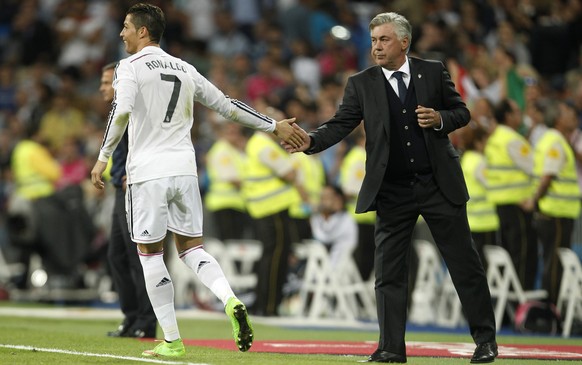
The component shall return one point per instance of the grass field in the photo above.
(81, 339)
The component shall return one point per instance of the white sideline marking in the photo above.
(59, 351)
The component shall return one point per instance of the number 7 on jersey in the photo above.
(175, 95)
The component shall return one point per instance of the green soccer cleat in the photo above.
(167, 349)
(242, 330)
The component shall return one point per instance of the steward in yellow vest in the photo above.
(225, 166)
(269, 192)
(509, 168)
(557, 196)
(481, 212)
(311, 178)
(34, 169)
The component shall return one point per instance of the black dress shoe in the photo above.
(484, 353)
(122, 330)
(144, 332)
(387, 357)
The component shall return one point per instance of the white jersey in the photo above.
(154, 98)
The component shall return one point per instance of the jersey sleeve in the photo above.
(210, 96)
(125, 85)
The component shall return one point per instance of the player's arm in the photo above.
(209, 95)
(125, 92)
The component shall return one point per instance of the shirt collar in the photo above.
(405, 68)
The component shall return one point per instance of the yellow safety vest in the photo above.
(508, 184)
(313, 179)
(563, 196)
(223, 194)
(356, 156)
(35, 170)
(265, 193)
(480, 210)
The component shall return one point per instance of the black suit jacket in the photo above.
(365, 98)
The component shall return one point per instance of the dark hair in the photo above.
(472, 133)
(149, 16)
(501, 110)
(339, 193)
(109, 66)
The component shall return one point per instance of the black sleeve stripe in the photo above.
(109, 121)
(113, 107)
(248, 109)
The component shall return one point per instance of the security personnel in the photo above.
(510, 165)
(483, 218)
(269, 190)
(225, 165)
(557, 195)
(35, 172)
(352, 172)
(310, 181)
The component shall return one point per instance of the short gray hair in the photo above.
(402, 27)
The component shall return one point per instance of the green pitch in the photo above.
(56, 341)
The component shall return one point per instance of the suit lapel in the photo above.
(381, 98)
(420, 88)
(420, 81)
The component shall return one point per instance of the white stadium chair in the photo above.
(570, 295)
(504, 284)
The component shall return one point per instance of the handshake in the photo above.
(293, 137)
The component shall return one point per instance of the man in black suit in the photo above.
(409, 106)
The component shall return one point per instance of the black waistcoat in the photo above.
(408, 153)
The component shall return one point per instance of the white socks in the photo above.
(161, 289)
(161, 292)
(208, 271)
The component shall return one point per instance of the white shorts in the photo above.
(171, 203)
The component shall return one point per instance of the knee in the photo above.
(150, 247)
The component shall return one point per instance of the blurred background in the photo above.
(291, 56)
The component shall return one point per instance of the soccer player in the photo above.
(154, 100)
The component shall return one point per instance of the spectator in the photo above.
(265, 82)
(33, 40)
(61, 121)
(334, 226)
(79, 33)
(227, 41)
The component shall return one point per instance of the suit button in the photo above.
(408, 144)
(403, 111)
(411, 160)
(406, 127)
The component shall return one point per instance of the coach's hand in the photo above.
(289, 132)
(97, 174)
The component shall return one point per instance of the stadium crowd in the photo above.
(521, 58)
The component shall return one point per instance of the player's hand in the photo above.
(305, 141)
(289, 132)
(428, 117)
(97, 174)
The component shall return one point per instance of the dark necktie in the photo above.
(401, 85)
